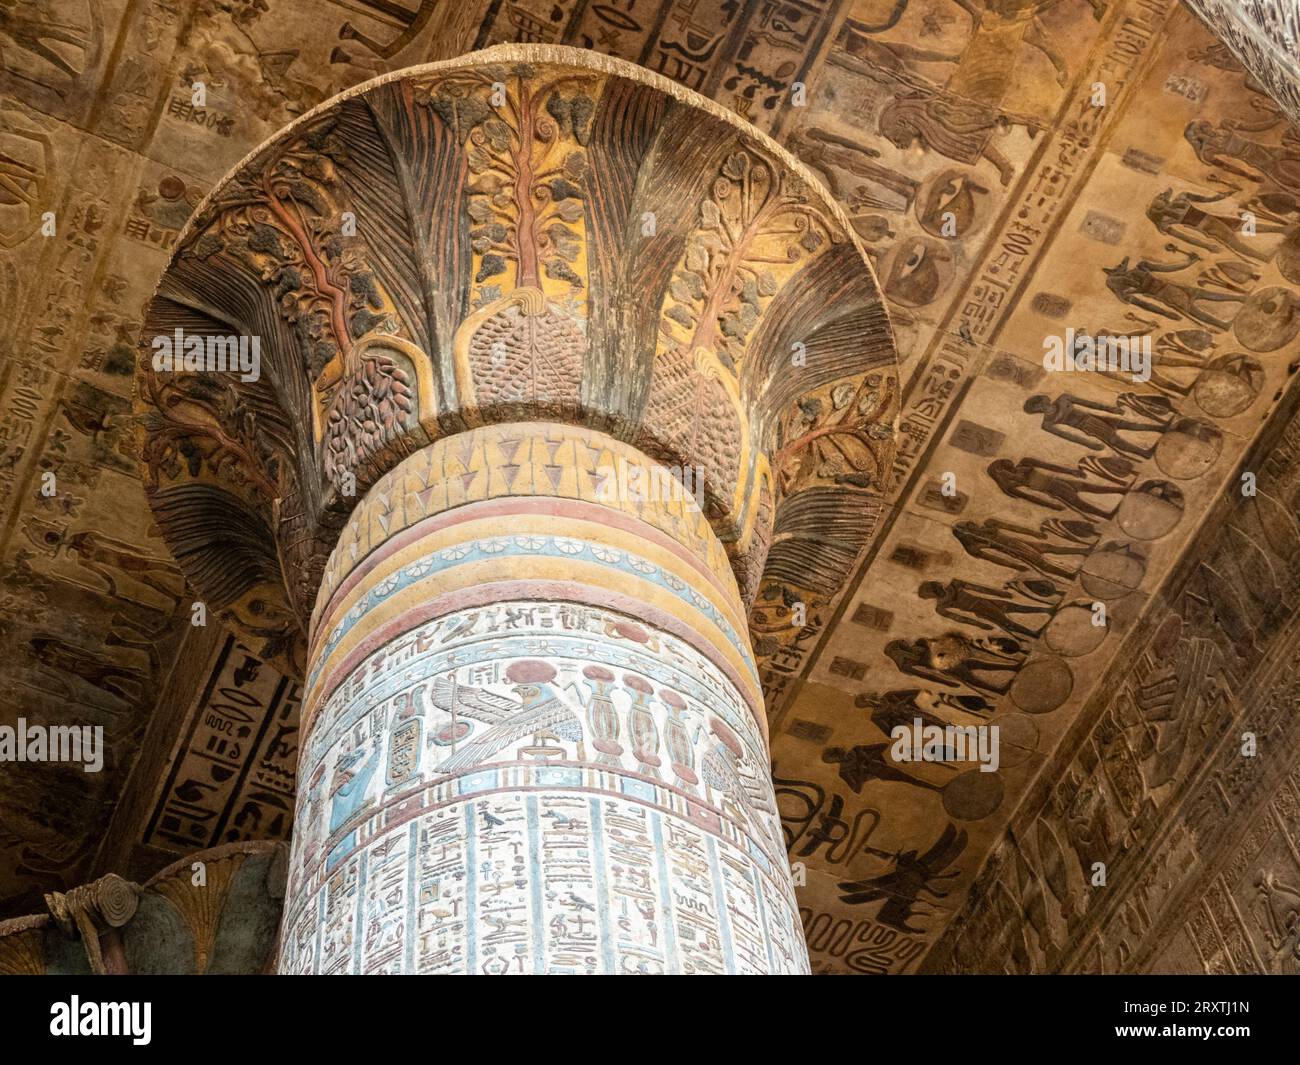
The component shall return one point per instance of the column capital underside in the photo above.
(528, 234)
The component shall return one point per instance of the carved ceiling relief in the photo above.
(100, 128)
(1159, 791)
(1044, 530)
(998, 205)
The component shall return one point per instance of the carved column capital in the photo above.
(1264, 36)
(530, 233)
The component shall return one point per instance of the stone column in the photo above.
(574, 402)
(533, 736)
(1264, 36)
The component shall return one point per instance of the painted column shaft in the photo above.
(536, 737)
(532, 737)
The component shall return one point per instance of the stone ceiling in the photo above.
(1016, 169)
